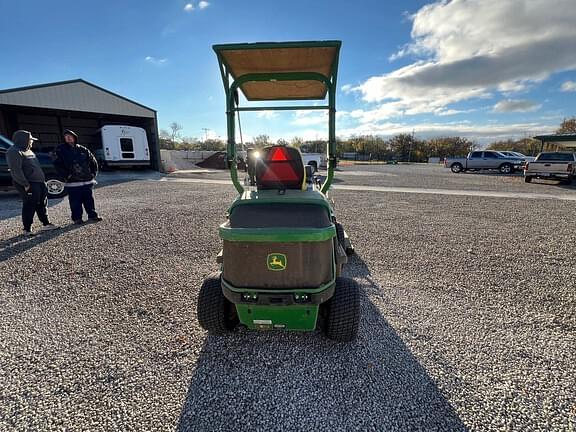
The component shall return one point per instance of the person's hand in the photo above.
(27, 188)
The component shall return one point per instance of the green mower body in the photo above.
(283, 250)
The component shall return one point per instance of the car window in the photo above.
(564, 157)
(490, 155)
(475, 155)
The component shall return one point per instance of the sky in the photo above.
(483, 69)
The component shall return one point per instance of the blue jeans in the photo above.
(81, 196)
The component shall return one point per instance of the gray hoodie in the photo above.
(24, 167)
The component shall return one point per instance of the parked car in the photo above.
(518, 155)
(484, 160)
(552, 165)
(54, 183)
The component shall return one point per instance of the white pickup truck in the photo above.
(552, 165)
(316, 160)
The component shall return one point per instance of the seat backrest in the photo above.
(280, 167)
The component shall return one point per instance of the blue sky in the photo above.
(485, 69)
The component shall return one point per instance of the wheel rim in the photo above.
(55, 187)
(505, 169)
(456, 168)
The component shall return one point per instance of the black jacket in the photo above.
(75, 164)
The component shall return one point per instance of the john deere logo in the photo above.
(276, 262)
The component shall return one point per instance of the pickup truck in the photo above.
(315, 160)
(54, 184)
(484, 160)
(552, 165)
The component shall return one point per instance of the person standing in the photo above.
(29, 181)
(78, 166)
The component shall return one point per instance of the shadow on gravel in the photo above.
(16, 245)
(291, 381)
(12, 205)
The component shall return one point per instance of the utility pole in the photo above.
(205, 133)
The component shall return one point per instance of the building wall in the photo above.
(74, 96)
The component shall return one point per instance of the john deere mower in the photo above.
(283, 249)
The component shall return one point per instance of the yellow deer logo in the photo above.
(276, 262)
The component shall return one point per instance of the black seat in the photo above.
(280, 167)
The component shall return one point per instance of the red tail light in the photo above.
(526, 166)
(280, 167)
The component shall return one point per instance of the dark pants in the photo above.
(33, 201)
(81, 196)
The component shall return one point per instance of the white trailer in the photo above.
(123, 146)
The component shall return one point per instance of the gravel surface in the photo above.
(466, 323)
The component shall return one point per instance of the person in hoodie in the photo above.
(77, 165)
(29, 181)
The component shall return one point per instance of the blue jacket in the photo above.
(75, 164)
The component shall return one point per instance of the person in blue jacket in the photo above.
(77, 165)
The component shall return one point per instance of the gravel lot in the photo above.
(468, 319)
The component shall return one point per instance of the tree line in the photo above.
(401, 147)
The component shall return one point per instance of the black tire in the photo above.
(506, 168)
(56, 187)
(527, 179)
(568, 181)
(215, 313)
(343, 311)
(456, 168)
(340, 234)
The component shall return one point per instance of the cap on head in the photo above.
(22, 138)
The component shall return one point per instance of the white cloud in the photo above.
(189, 7)
(480, 132)
(511, 105)
(156, 61)
(470, 49)
(346, 88)
(568, 86)
(203, 4)
(267, 115)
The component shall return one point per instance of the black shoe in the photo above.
(28, 233)
(78, 222)
(95, 219)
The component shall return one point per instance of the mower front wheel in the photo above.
(343, 311)
(215, 313)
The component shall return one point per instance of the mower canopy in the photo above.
(305, 68)
(280, 71)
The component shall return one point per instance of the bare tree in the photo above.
(175, 129)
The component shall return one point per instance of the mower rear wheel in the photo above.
(343, 311)
(215, 313)
(340, 234)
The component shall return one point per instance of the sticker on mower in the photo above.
(262, 324)
(276, 262)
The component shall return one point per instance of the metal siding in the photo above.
(76, 96)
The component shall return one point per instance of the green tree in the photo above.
(296, 142)
(261, 141)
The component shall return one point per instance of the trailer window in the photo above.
(127, 148)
